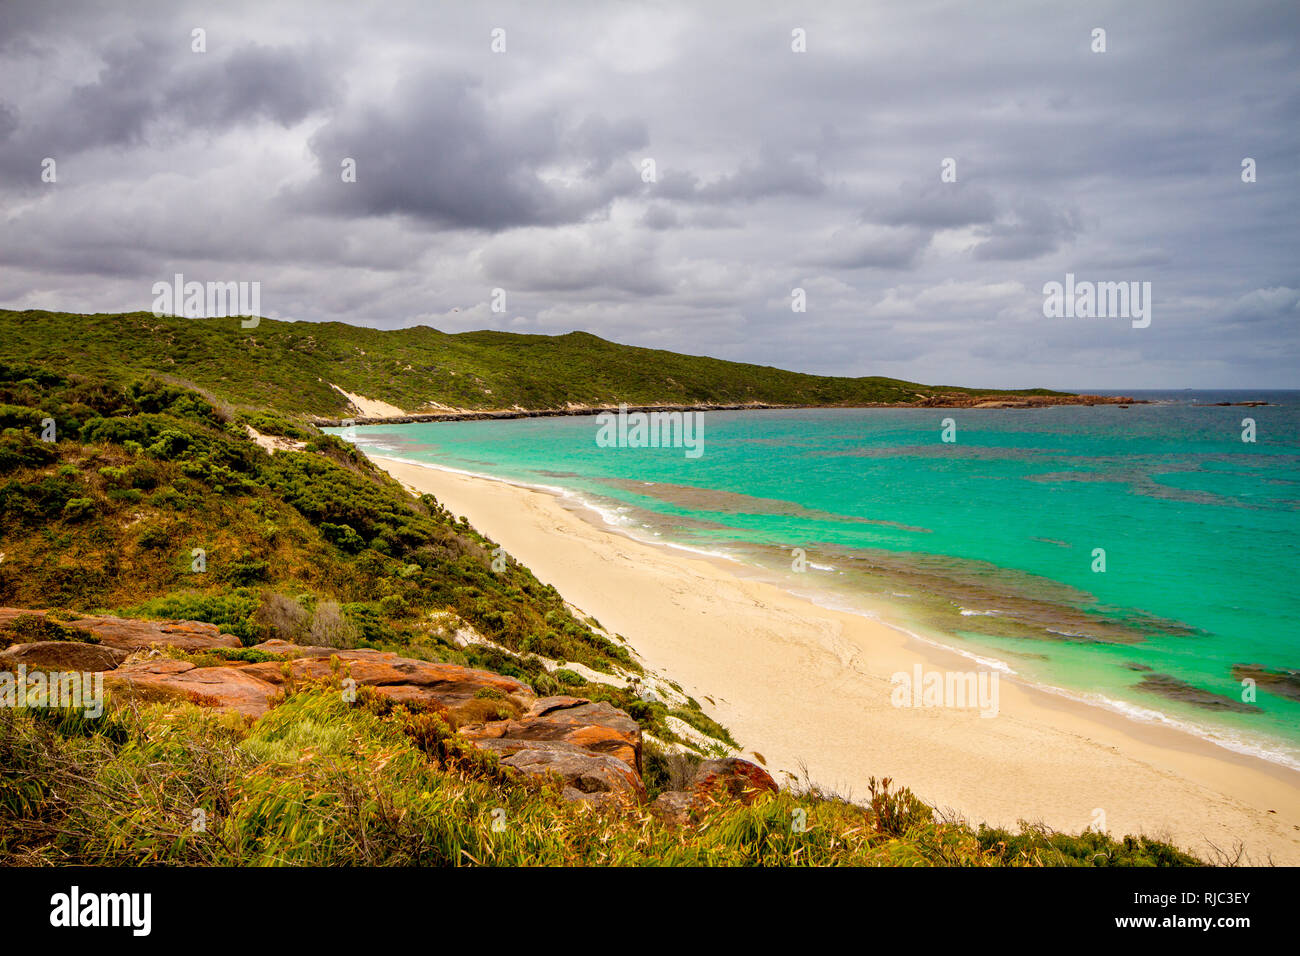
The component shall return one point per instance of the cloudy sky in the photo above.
(773, 169)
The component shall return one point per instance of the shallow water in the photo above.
(987, 543)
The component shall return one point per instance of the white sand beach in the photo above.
(804, 685)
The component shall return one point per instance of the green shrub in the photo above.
(343, 537)
(244, 573)
(231, 611)
(21, 449)
(77, 509)
(30, 628)
(113, 474)
(320, 782)
(568, 678)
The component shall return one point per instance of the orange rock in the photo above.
(230, 688)
(592, 747)
(737, 778)
(599, 728)
(63, 656)
(585, 776)
(134, 635)
(401, 678)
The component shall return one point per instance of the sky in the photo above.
(668, 175)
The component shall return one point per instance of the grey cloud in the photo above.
(862, 248)
(936, 205)
(660, 216)
(150, 80)
(773, 174)
(573, 261)
(442, 152)
(8, 122)
(280, 84)
(1032, 229)
(774, 169)
(1271, 312)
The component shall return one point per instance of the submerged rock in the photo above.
(1177, 689)
(1283, 682)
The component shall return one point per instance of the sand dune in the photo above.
(369, 407)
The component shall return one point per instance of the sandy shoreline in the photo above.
(806, 685)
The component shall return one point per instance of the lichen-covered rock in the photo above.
(597, 727)
(593, 748)
(729, 778)
(584, 775)
(228, 688)
(401, 678)
(63, 656)
(133, 635)
(738, 778)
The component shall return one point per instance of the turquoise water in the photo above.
(987, 543)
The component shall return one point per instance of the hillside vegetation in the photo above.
(320, 782)
(290, 366)
(145, 480)
(316, 546)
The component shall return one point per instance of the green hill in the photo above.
(290, 366)
(108, 517)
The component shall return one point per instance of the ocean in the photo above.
(1141, 559)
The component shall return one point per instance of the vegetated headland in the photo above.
(326, 372)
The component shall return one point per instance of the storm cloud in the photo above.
(669, 175)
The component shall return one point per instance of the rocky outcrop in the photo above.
(132, 635)
(251, 688)
(592, 748)
(403, 679)
(729, 778)
(595, 748)
(228, 687)
(594, 778)
(63, 656)
(598, 728)
(962, 400)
